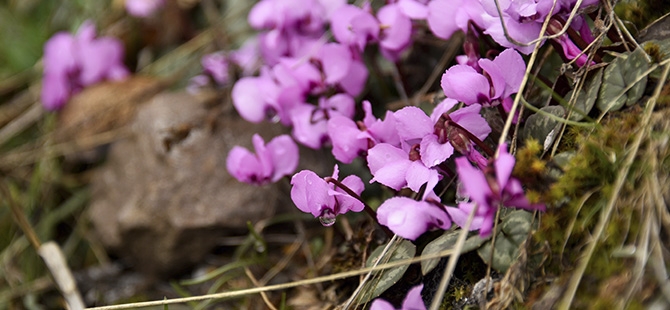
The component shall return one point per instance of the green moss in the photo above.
(577, 199)
(641, 12)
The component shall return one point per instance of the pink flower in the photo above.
(409, 218)
(270, 163)
(434, 134)
(216, 65)
(412, 301)
(74, 62)
(354, 26)
(505, 73)
(312, 194)
(310, 123)
(490, 189)
(397, 168)
(396, 33)
(143, 8)
(351, 139)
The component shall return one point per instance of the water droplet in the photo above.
(327, 218)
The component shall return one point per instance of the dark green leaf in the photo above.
(543, 128)
(586, 98)
(383, 279)
(445, 242)
(623, 81)
(513, 232)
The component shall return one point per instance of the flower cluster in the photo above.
(293, 74)
(74, 62)
(311, 85)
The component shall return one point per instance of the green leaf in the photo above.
(542, 127)
(513, 232)
(623, 81)
(586, 97)
(383, 279)
(445, 242)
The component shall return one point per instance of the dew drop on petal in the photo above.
(327, 218)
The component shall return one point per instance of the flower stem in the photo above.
(472, 137)
(366, 208)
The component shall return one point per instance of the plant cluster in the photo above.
(307, 68)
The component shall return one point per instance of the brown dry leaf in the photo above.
(105, 107)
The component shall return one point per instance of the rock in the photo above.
(105, 106)
(164, 196)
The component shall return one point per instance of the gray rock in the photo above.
(164, 196)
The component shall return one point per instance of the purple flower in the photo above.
(312, 194)
(74, 62)
(354, 26)
(521, 18)
(310, 123)
(255, 98)
(340, 66)
(216, 65)
(380, 131)
(447, 16)
(270, 163)
(414, 9)
(345, 136)
(569, 48)
(409, 218)
(247, 56)
(490, 189)
(433, 133)
(396, 168)
(143, 8)
(396, 31)
(351, 139)
(503, 78)
(412, 301)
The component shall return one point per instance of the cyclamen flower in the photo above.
(74, 62)
(434, 134)
(396, 31)
(312, 194)
(270, 163)
(412, 301)
(503, 78)
(340, 67)
(409, 218)
(397, 168)
(351, 140)
(291, 26)
(354, 26)
(490, 189)
(310, 123)
(448, 16)
(216, 65)
(143, 8)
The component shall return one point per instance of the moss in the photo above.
(641, 12)
(577, 198)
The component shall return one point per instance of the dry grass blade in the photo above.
(645, 124)
(451, 265)
(246, 292)
(384, 256)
